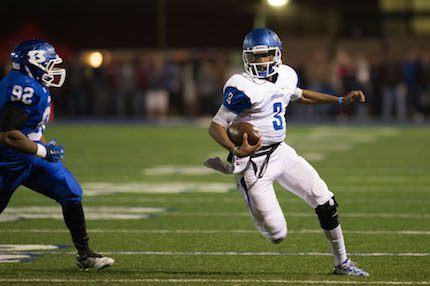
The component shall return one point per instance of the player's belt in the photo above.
(266, 150)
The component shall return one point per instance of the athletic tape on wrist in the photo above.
(41, 151)
(234, 151)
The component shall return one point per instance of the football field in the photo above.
(167, 220)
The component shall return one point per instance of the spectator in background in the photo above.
(142, 71)
(409, 68)
(363, 81)
(189, 89)
(77, 95)
(208, 95)
(393, 89)
(343, 78)
(375, 101)
(100, 94)
(172, 83)
(316, 73)
(339, 68)
(126, 87)
(157, 96)
(422, 108)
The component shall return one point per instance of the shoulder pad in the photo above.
(288, 76)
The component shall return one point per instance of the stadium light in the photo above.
(277, 3)
(95, 59)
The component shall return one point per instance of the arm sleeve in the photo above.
(297, 94)
(12, 117)
(236, 100)
(224, 116)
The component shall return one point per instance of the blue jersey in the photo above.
(31, 97)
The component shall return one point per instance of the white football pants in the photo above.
(293, 173)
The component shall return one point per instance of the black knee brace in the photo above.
(327, 214)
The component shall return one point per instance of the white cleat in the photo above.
(349, 268)
(93, 260)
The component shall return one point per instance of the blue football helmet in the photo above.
(261, 43)
(37, 59)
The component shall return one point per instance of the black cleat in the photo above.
(93, 260)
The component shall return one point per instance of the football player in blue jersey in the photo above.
(260, 96)
(25, 157)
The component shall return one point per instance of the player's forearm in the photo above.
(314, 97)
(15, 139)
(219, 134)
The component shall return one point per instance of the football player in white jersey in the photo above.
(260, 96)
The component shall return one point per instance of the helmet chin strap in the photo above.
(29, 73)
(254, 71)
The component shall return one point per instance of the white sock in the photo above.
(338, 249)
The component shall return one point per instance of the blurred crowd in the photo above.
(397, 88)
(156, 84)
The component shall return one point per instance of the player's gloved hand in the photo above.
(50, 151)
(238, 164)
(218, 165)
(54, 153)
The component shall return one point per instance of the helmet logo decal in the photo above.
(36, 57)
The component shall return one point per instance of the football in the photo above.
(236, 130)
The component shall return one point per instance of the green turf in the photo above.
(380, 175)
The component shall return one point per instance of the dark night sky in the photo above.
(134, 24)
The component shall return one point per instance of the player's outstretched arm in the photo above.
(314, 97)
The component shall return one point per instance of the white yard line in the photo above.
(240, 201)
(230, 253)
(305, 214)
(177, 170)
(349, 184)
(203, 280)
(106, 188)
(137, 213)
(217, 231)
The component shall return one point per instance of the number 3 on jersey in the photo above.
(278, 122)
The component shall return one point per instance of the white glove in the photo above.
(238, 165)
(218, 165)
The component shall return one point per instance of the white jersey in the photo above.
(263, 104)
(260, 102)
